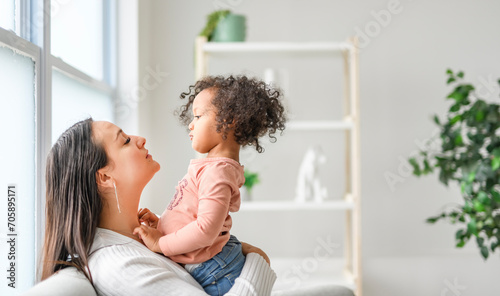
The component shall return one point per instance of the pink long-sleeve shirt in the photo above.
(196, 223)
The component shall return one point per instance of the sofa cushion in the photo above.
(66, 282)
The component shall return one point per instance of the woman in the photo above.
(95, 177)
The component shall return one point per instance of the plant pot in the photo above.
(232, 28)
(245, 194)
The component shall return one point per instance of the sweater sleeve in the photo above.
(256, 278)
(216, 187)
(119, 270)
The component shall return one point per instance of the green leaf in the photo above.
(416, 166)
(450, 80)
(463, 187)
(496, 152)
(495, 163)
(448, 71)
(471, 226)
(457, 96)
(471, 176)
(467, 207)
(460, 244)
(250, 179)
(436, 120)
(212, 21)
(433, 220)
(444, 177)
(494, 245)
(480, 241)
(484, 252)
(427, 167)
(478, 206)
(455, 108)
(460, 74)
(496, 196)
(480, 116)
(459, 234)
(482, 197)
(455, 119)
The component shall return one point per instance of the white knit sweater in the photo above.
(122, 266)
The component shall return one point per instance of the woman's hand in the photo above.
(150, 236)
(248, 248)
(148, 217)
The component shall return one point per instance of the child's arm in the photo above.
(198, 234)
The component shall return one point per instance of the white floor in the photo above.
(457, 275)
(307, 272)
(450, 275)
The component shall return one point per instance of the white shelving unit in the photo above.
(348, 271)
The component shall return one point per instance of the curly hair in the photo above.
(247, 106)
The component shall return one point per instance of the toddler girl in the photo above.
(227, 113)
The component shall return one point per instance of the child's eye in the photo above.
(197, 117)
(127, 141)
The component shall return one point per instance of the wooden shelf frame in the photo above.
(350, 125)
(278, 206)
(280, 47)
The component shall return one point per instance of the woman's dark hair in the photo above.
(73, 203)
(247, 106)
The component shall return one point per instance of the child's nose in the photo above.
(191, 126)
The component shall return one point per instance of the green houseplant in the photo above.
(224, 26)
(469, 155)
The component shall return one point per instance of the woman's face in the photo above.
(130, 165)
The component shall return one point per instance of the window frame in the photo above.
(10, 40)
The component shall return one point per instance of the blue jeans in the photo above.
(217, 275)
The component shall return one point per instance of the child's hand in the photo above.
(145, 215)
(150, 236)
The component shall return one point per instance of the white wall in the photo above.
(402, 68)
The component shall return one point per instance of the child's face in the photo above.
(203, 133)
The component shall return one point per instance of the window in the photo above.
(7, 14)
(17, 156)
(49, 79)
(79, 23)
(73, 101)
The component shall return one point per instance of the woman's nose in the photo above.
(141, 142)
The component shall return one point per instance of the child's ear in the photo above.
(103, 179)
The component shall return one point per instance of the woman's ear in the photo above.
(103, 179)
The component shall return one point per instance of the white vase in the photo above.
(245, 194)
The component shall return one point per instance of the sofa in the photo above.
(71, 282)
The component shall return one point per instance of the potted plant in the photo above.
(224, 26)
(469, 155)
(251, 179)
